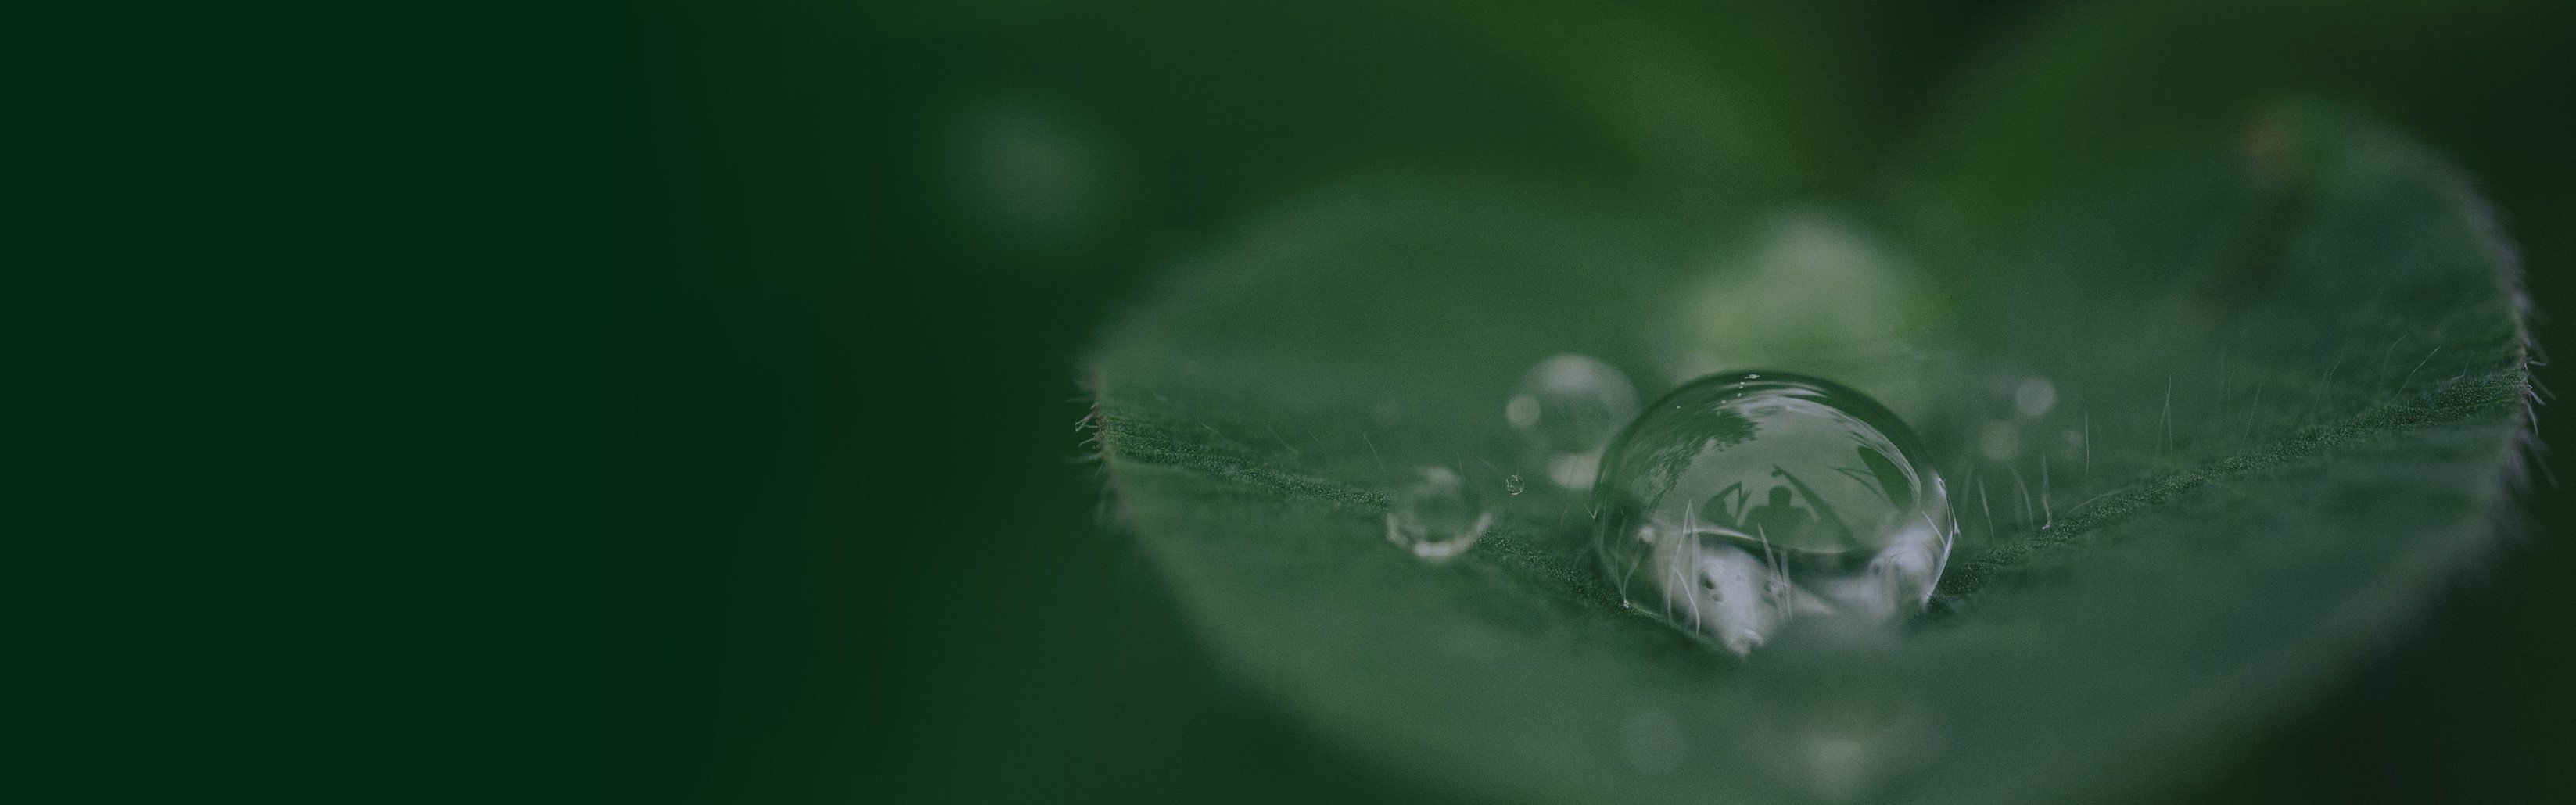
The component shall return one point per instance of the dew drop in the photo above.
(1435, 514)
(1512, 484)
(1742, 502)
(1566, 409)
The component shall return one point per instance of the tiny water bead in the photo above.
(1743, 500)
(1435, 514)
(1566, 409)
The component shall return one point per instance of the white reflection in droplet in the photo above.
(1763, 499)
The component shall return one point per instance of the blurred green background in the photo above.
(875, 239)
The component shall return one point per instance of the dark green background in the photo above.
(864, 563)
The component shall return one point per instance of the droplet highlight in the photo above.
(1742, 501)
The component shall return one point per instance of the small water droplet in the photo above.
(1566, 409)
(1512, 484)
(1751, 500)
(1435, 514)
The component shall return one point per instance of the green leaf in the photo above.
(2083, 91)
(2286, 387)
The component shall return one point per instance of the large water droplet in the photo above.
(1436, 514)
(1566, 409)
(1740, 502)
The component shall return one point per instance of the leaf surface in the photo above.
(2284, 384)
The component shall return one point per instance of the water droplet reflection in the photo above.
(1741, 502)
